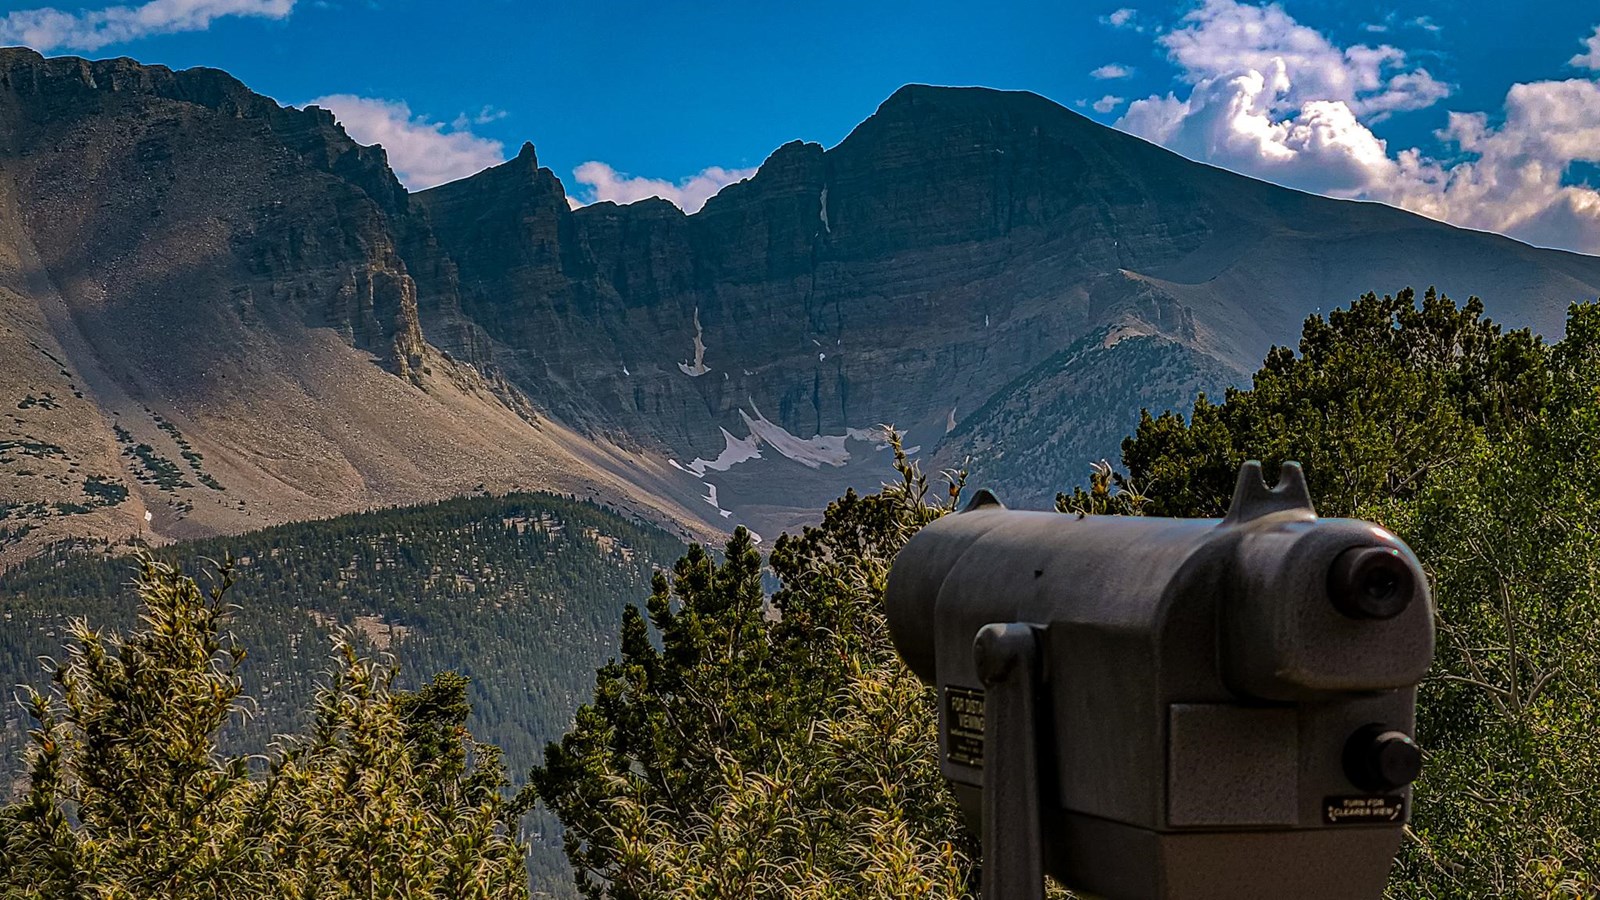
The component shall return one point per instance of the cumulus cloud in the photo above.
(422, 153)
(1277, 100)
(1107, 104)
(1111, 70)
(689, 194)
(1590, 58)
(1512, 178)
(49, 29)
(1224, 38)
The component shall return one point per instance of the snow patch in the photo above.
(877, 436)
(812, 452)
(825, 226)
(698, 368)
(734, 451)
(711, 498)
(950, 423)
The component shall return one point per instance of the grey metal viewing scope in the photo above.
(1173, 708)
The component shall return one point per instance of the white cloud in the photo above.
(421, 152)
(50, 30)
(1590, 59)
(688, 194)
(1511, 181)
(1224, 38)
(1274, 99)
(1107, 104)
(1123, 18)
(1111, 70)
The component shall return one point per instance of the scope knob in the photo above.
(1379, 758)
(1371, 583)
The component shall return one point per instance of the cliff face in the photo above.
(940, 259)
(205, 298)
(250, 296)
(938, 252)
(170, 185)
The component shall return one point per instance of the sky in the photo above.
(1483, 114)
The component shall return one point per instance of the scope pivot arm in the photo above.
(1007, 660)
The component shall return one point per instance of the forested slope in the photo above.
(520, 593)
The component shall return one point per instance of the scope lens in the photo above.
(1371, 583)
(1380, 585)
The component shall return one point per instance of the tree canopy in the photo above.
(740, 750)
(1380, 395)
(129, 796)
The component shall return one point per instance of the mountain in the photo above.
(204, 315)
(235, 314)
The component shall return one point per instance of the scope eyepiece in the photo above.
(1371, 583)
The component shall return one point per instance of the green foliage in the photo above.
(1511, 538)
(1482, 451)
(731, 752)
(153, 468)
(129, 796)
(519, 593)
(1380, 396)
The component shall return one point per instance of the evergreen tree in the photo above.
(129, 796)
(1479, 447)
(760, 751)
(1379, 397)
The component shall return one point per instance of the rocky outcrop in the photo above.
(195, 180)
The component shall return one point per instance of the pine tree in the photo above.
(129, 796)
(778, 750)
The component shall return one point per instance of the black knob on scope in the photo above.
(1371, 583)
(1378, 758)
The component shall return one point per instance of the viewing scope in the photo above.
(1173, 708)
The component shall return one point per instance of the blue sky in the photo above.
(1484, 114)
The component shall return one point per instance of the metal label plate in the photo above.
(963, 726)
